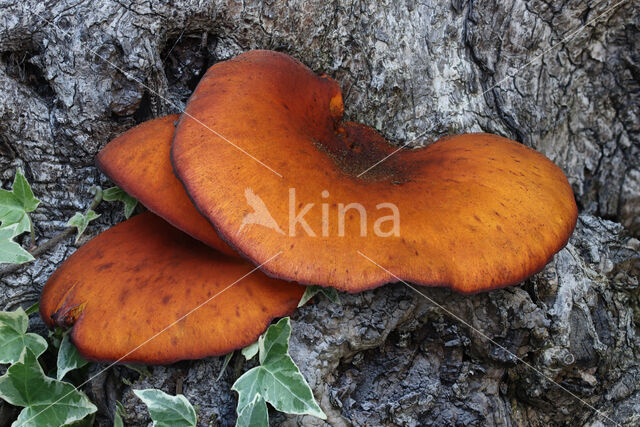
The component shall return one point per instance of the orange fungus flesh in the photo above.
(145, 292)
(138, 162)
(474, 212)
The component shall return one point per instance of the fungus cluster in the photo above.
(263, 137)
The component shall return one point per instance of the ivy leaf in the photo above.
(68, 357)
(46, 402)
(15, 204)
(254, 414)
(116, 194)
(23, 225)
(166, 410)
(250, 351)
(14, 336)
(81, 221)
(23, 193)
(10, 251)
(311, 291)
(277, 380)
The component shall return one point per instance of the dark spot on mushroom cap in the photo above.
(105, 266)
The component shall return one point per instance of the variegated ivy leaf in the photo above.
(117, 194)
(311, 291)
(14, 336)
(68, 357)
(81, 221)
(17, 203)
(254, 414)
(166, 410)
(10, 251)
(250, 351)
(46, 401)
(277, 380)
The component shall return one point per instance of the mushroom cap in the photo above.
(138, 161)
(476, 211)
(121, 289)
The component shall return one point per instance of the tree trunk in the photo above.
(562, 77)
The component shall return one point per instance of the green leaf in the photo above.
(117, 416)
(141, 370)
(46, 402)
(10, 251)
(254, 414)
(274, 344)
(277, 380)
(250, 351)
(81, 221)
(22, 191)
(227, 358)
(15, 204)
(166, 410)
(117, 420)
(116, 194)
(14, 337)
(68, 357)
(32, 309)
(23, 225)
(311, 291)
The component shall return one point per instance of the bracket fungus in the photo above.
(283, 173)
(138, 162)
(145, 292)
(475, 212)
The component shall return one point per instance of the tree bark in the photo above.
(562, 77)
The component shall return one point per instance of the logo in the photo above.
(260, 215)
(384, 225)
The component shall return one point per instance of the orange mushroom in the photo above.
(143, 291)
(138, 162)
(471, 212)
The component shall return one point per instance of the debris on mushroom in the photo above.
(472, 212)
(145, 292)
(138, 162)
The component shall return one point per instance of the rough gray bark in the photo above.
(391, 357)
(73, 75)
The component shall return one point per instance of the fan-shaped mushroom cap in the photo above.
(138, 162)
(123, 288)
(475, 212)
